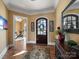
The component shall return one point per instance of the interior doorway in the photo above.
(41, 31)
(20, 32)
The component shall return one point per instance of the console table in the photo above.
(66, 52)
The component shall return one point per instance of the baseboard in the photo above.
(34, 42)
(31, 42)
(3, 52)
(51, 43)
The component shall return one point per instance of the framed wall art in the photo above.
(32, 26)
(3, 23)
(51, 26)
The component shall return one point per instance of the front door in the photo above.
(41, 31)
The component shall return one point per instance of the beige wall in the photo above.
(74, 11)
(61, 6)
(74, 37)
(19, 26)
(56, 16)
(10, 30)
(3, 37)
(33, 18)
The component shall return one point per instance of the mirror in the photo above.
(70, 17)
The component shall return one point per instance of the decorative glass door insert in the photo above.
(41, 27)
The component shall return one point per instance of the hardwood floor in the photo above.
(19, 52)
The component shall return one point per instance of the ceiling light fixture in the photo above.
(32, 0)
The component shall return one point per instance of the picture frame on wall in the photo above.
(32, 26)
(51, 26)
(3, 23)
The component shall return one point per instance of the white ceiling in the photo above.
(31, 6)
(75, 5)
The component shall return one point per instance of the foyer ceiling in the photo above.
(31, 6)
(75, 5)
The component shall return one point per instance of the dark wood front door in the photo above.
(41, 31)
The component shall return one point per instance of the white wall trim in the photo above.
(36, 13)
(51, 43)
(31, 42)
(3, 52)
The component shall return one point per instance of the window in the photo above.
(71, 23)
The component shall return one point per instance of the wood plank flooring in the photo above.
(19, 52)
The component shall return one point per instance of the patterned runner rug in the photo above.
(38, 53)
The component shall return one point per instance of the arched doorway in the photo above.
(41, 31)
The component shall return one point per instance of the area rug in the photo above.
(38, 53)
